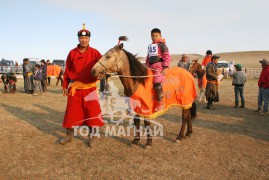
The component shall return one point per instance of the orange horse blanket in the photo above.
(53, 70)
(178, 89)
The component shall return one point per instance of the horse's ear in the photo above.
(120, 47)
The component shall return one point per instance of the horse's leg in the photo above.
(184, 120)
(149, 132)
(189, 124)
(137, 130)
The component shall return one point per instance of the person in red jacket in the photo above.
(79, 85)
(158, 59)
(263, 87)
(207, 59)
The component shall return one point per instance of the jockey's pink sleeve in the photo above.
(166, 58)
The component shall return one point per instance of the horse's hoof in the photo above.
(188, 135)
(135, 142)
(179, 138)
(147, 146)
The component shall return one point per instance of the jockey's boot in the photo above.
(236, 104)
(242, 104)
(159, 96)
(69, 136)
(159, 106)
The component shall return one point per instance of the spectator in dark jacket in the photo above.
(44, 71)
(264, 87)
(38, 77)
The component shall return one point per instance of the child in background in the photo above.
(12, 79)
(38, 78)
(239, 79)
(158, 59)
(4, 80)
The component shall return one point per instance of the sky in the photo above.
(47, 29)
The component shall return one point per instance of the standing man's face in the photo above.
(84, 41)
(185, 59)
(264, 66)
(209, 56)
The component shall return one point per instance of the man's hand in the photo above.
(65, 91)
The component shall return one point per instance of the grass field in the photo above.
(227, 143)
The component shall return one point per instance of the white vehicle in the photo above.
(225, 66)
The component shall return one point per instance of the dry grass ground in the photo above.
(227, 143)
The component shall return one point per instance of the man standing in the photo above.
(211, 92)
(184, 62)
(28, 76)
(83, 107)
(48, 78)
(44, 72)
(263, 87)
(239, 80)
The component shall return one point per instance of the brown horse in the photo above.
(133, 74)
(196, 69)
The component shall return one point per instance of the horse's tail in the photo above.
(193, 111)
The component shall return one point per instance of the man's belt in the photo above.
(79, 85)
(213, 82)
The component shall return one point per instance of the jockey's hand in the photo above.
(65, 91)
(163, 71)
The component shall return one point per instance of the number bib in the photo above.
(153, 50)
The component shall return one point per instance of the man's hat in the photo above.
(264, 62)
(84, 31)
(208, 52)
(215, 57)
(239, 66)
(43, 61)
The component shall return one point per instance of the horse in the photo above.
(196, 68)
(132, 75)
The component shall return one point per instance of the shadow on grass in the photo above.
(251, 123)
(48, 123)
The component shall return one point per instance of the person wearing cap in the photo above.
(44, 72)
(28, 72)
(263, 83)
(79, 85)
(239, 79)
(184, 62)
(211, 92)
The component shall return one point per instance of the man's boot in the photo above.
(69, 136)
(159, 96)
(236, 104)
(92, 139)
(242, 104)
(209, 105)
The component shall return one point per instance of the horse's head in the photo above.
(110, 61)
(196, 67)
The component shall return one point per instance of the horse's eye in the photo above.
(108, 56)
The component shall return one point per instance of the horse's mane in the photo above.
(136, 68)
